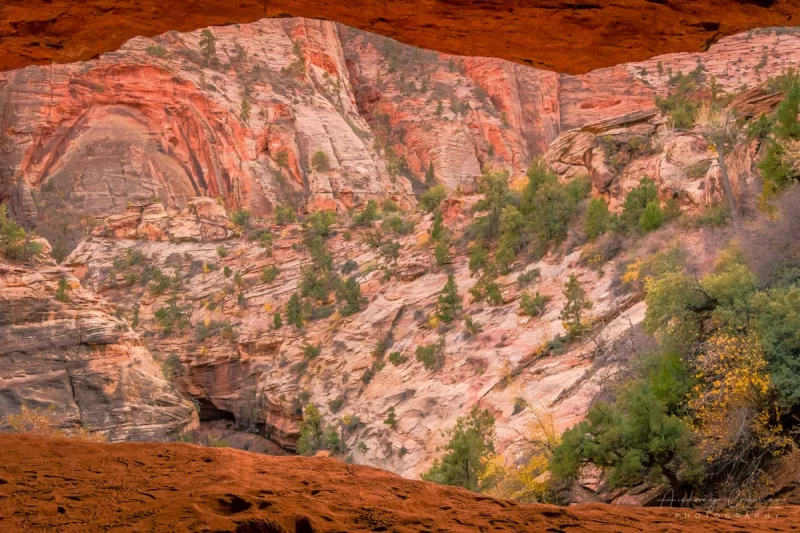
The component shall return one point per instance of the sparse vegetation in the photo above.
(576, 303)
(43, 422)
(449, 302)
(431, 198)
(156, 50)
(431, 356)
(533, 305)
(397, 358)
(315, 434)
(241, 218)
(284, 215)
(349, 293)
(15, 242)
(62, 294)
(269, 274)
(320, 161)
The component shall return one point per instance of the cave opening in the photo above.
(210, 412)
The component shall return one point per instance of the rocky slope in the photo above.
(156, 120)
(77, 357)
(261, 377)
(239, 368)
(71, 486)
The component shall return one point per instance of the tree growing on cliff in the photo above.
(241, 218)
(349, 292)
(294, 311)
(512, 237)
(576, 303)
(315, 435)
(320, 161)
(432, 356)
(441, 252)
(527, 478)
(721, 130)
(282, 159)
(597, 218)
(15, 243)
(734, 408)
(368, 215)
(780, 168)
(430, 199)
(471, 444)
(208, 48)
(533, 304)
(449, 302)
(636, 203)
(284, 215)
(437, 229)
(244, 113)
(430, 177)
(172, 316)
(549, 206)
(637, 437)
(652, 217)
(62, 290)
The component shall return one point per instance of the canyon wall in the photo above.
(159, 119)
(152, 147)
(71, 353)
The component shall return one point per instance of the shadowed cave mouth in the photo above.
(210, 412)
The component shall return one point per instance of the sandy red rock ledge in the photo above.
(70, 486)
(572, 36)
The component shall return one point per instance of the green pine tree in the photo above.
(244, 114)
(350, 293)
(576, 303)
(438, 227)
(652, 217)
(442, 253)
(208, 47)
(294, 311)
(430, 177)
(471, 443)
(449, 302)
(597, 218)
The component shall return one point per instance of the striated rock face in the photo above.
(616, 153)
(132, 126)
(79, 358)
(261, 377)
(157, 119)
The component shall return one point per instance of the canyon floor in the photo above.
(69, 486)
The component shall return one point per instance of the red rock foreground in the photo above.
(567, 36)
(67, 485)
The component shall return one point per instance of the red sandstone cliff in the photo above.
(154, 120)
(73, 354)
(87, 139)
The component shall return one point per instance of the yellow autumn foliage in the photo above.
(526, 478)
(631, 274)
(734, 399)
(43, 422)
